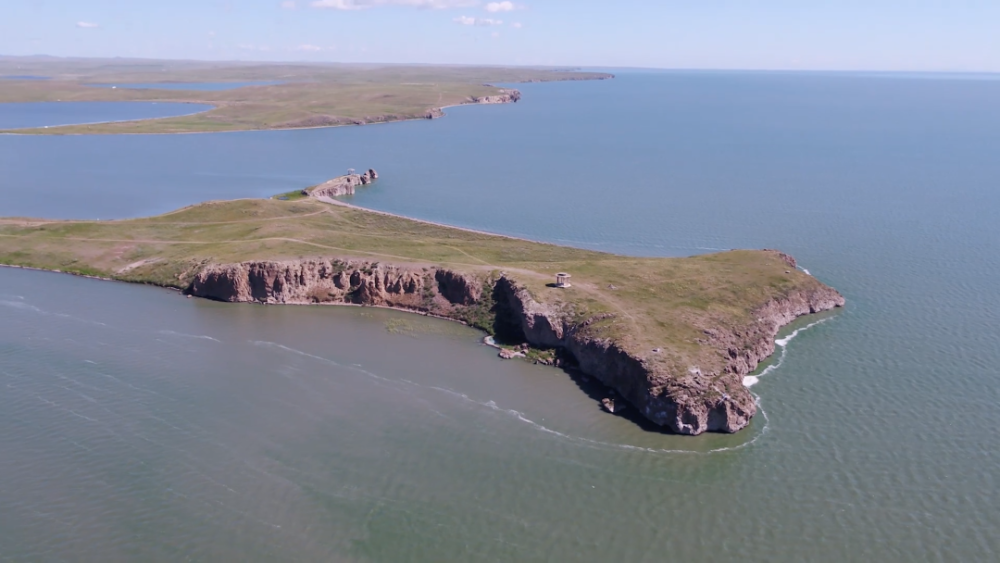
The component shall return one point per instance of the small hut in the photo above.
(562, 279)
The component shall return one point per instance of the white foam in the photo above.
(27, 307)
(354, 367)
(21, 306)
(806, 272)
(587, 442)
(751, 380)
(199, 336)
(517, 415)
(784, 341)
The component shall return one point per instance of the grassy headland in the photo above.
(655, 302)
(311, 95)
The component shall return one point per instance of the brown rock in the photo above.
(343, 185)
(508, 354)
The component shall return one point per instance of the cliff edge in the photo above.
(693, 401)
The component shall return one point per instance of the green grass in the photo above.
(656, 302)
(313, 95)
(293, 195)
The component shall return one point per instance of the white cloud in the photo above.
(517, 25)
(86, 25)
(499, 6)
(363, 4)
(252, 47)
(482, 22)
(308, 48)
(288, 4)
(495, 34)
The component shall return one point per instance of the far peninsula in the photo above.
(292, 96)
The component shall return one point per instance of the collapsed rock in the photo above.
(343, 185)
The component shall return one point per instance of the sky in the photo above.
(902, 35)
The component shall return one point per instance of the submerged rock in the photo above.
(508, 354)
(611, 406)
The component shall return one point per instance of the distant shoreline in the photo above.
(330, 98)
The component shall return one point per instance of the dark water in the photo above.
(877, 435)
(203, 86)
(51, 114)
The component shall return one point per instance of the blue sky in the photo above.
(912, 35)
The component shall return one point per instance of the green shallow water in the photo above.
(139, 425)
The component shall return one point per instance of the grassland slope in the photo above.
(673, 336)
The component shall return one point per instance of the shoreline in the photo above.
(181, 291)
(56, 133)
(145, 119)
(331, 201)
(428, 114)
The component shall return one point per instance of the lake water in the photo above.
(203, 86)
(139, 425)
(51, 114)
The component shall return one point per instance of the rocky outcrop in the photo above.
(338, 282)
(504, 97)
(686, 403)
(343, 185)
(692, 402)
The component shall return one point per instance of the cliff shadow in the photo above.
(595, 390)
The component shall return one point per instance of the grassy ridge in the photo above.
(656, 302)
(312, 95)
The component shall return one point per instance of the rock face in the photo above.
(336, 281)
(343, 185)
(686, 403)
(689, 403)
(506, 97)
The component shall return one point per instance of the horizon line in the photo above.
(575, 66)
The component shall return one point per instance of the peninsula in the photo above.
(264, 96)
(673, 336)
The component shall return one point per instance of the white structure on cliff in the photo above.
(562, 279)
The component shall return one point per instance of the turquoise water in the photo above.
(51, 114)
(225, 432)
(202, 86)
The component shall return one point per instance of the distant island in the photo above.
(673, 337)
(292, 96)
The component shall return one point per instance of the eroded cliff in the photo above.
(691, 400)
(505, 97)
(342, 185)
